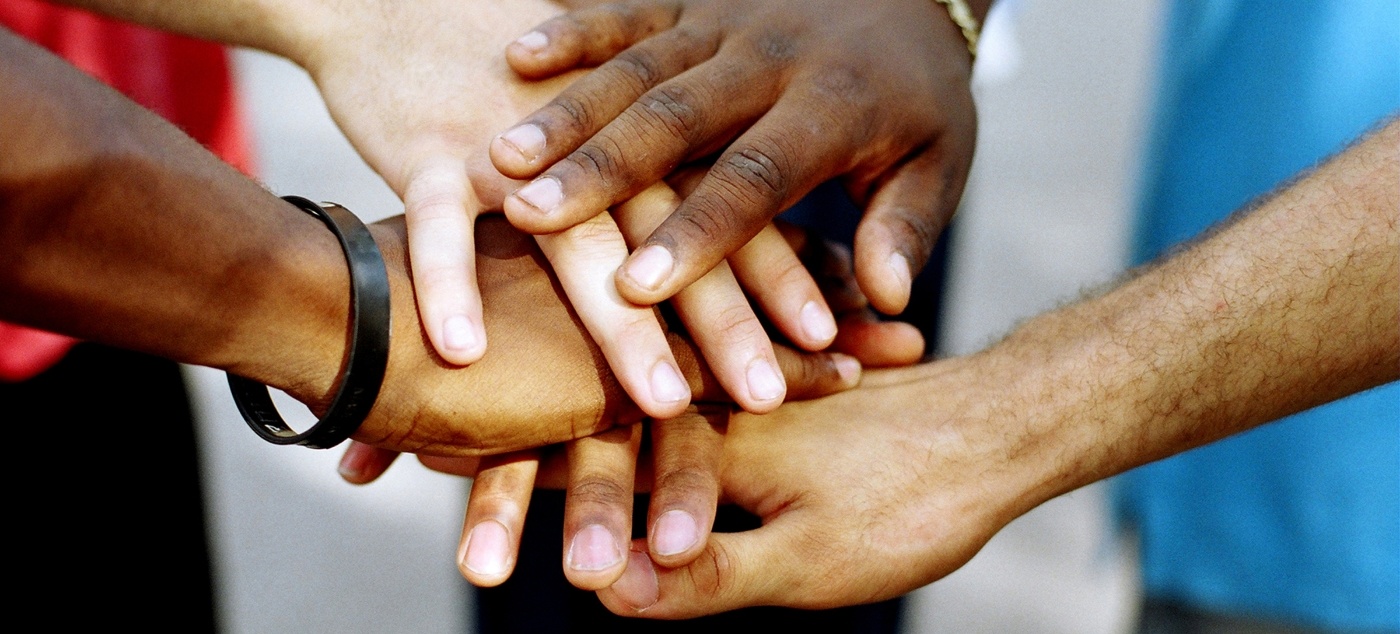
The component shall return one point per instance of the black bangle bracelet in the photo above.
(367, 356)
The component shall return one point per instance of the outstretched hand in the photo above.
(683, 468)
(788, 93)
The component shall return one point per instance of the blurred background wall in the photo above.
(1062, 92)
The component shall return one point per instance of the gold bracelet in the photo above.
(962, 16)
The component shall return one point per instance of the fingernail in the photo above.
(352, 464)
(534, 41)
(638, 587)
(458, 334)
(667, 386)
(593, 548)
(848, 367)
(527, 139)
(899, 268)
(817, 323)
(676, 532)
(487, 546)
(543, 194)
(764, 382)
(650, 267)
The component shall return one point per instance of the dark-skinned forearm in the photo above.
(114, 227)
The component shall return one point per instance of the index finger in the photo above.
(772, 165)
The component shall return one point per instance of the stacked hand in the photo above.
(780, 96)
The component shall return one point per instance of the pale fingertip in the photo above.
(817, 323)
(533, 42)
(676, 531)
(667, 385)
(459, 334)
(638, 588)
(487, 550)
(848, 368)
(527, 141)
(765, 384)
(542, 194)
(593, 549)
(650, 267)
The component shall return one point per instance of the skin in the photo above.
(1290, 305)
(419, 88)
(779, 95)
(115, 227)
(682, 467)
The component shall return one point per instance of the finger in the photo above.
(589, 104)
(735, 570)
(363, 464)
(829, 264)
(771, 272)
(598, 506)
(807, 374)
(717, 315)
(773, 164)
(686, 453)
(879, 344)
(588, 37)
(440, 210)
(495, 516)
(901, 227)
(465, 466)
(630, 337)
(622, 151)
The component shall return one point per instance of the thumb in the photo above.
(735, 570)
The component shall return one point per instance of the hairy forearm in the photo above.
(115, 227)
(1291, 305)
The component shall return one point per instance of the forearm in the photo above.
(1293, 305)
(305, 31)
(114, 227)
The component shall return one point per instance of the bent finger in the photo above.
(588, 36)
(735, 570)
(716, 314)
(902, 225)
(613, 134)
(440, 211)
(496, 516)
(629, 336)
(363, 464)
(779, 159)
(686, 453)
(769, 269)
(598, 506)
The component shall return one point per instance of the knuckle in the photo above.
(761, 167)
(687, 481)
(572, 111)
(789, 273)
(639, 67)
(595, 239)
(714, 572)
(597, 159)
(598, 490)
(843, 84)
(705, 222)
(670, 107)
(914, 228)
(775, 47)
(735, 323)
